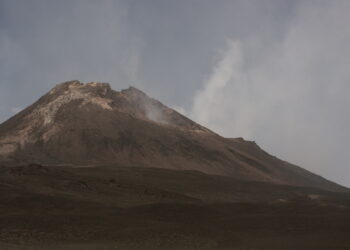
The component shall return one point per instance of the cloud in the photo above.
(293, 99)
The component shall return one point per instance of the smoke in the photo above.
(155, 113)
(217, 102)
(293, 99)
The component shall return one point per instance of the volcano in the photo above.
(87, 167)
(90, 124)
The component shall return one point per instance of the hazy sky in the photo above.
(276, 72)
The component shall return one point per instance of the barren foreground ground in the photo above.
(115, 207)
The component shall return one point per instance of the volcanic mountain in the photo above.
(78, 124)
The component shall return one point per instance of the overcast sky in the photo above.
(276, 72)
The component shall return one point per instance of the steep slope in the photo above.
(91, 124)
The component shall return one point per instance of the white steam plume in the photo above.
(293, 99)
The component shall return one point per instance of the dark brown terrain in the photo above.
(87, 167)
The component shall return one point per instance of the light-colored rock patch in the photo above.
(314, 196)
(7, 148)
(75, 92)
(45, 114)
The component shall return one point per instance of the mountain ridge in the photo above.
(91, 124)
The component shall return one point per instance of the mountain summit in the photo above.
(91, 124)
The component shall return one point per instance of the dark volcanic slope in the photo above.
(91, 124)
(115, 207)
